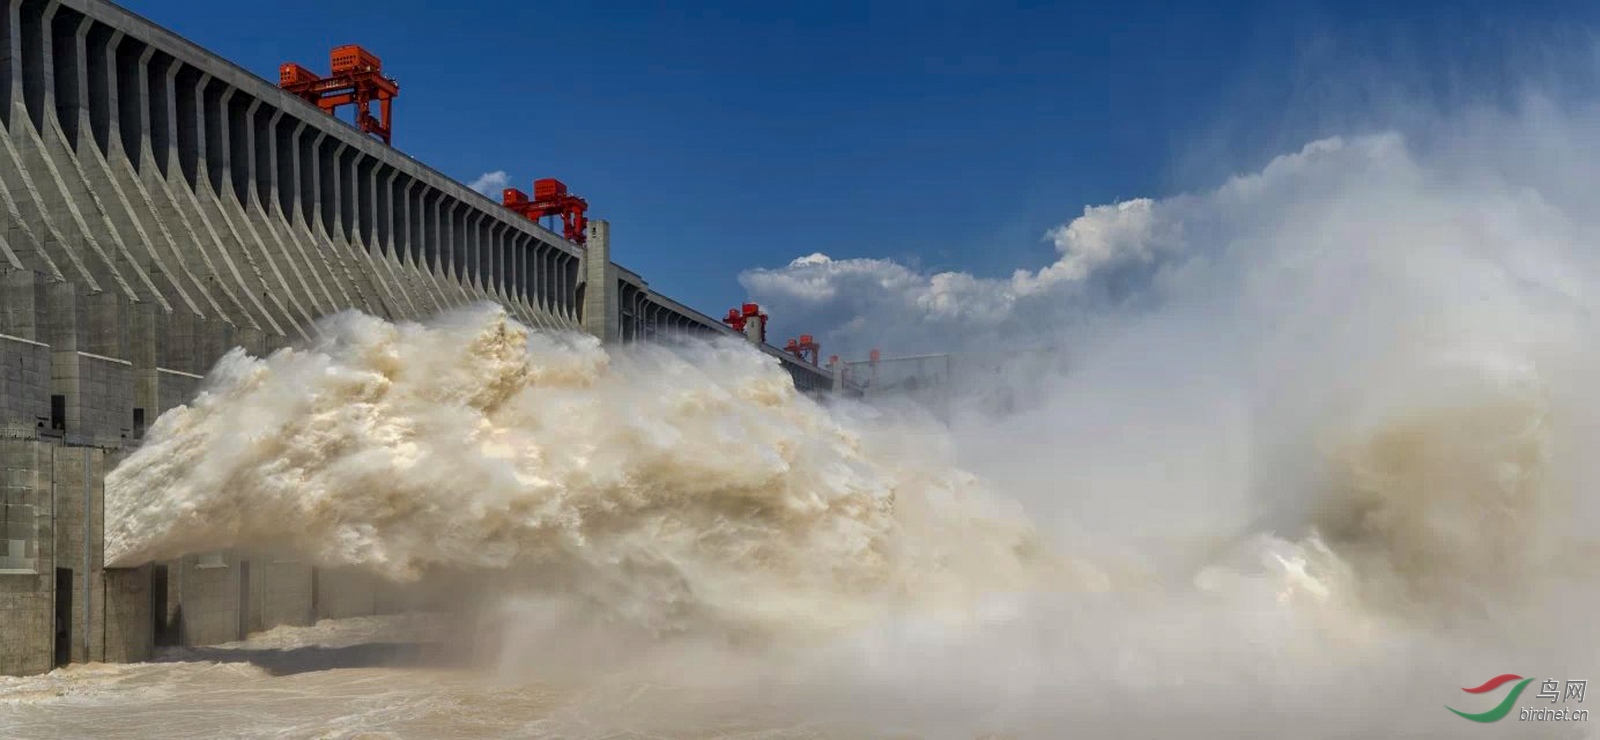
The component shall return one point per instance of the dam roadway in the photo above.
(160, 206)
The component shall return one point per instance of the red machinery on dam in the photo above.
(551, 198)
(355, 78)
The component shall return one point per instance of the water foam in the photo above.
(664, 486)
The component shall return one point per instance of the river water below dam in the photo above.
(379, 677)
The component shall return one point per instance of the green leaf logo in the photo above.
(1504, 708)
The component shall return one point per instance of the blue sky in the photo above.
(722, 136)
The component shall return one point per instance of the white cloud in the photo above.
(491, 183)
(1102, 236)
(1332, 194)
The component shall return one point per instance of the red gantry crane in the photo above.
(356, 78)
(550, 198)
(738, 318)
(806, 349)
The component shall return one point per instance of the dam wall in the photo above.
(159, 207)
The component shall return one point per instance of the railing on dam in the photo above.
(139, 166)
(993, 382)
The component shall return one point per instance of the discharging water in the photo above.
(1334, 467)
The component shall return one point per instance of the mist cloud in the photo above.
(1467, 178)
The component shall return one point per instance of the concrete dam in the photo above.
(161, 207)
